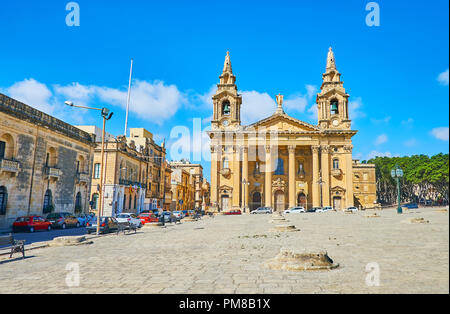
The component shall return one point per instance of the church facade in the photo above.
(282, 162)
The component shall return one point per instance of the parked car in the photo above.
(107, 224)
(185, 213)
(295, 210)
(63, 220)
(352, 209)
(233, 212)
(129, 218)
(314, 209)
(83, 219)
(169, 217)
(262, 210)
(178, 214)
(411, 206)
(31, 224)
(148, 218)
(327, 209)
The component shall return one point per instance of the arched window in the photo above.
(226, 108)
(6, 146)
(3, 200)
(95, 201)
(225, 163)
(334, 106)
(51, 158)
(78, 203)
(336, 163)
(48, 202)
(280, 167)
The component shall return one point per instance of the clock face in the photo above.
(335, 122)
(226, 123)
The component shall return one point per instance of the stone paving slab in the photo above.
(227, 255)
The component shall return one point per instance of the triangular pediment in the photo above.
(283, 122)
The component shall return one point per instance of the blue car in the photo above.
(411, 206)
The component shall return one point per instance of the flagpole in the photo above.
(128, 99)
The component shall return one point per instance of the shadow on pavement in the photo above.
(43, 236)
(16, 259)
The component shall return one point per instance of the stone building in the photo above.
(364, 184)
(195, 188)
(45, 163)
(281, 161)
(182, 192)
(134, 173)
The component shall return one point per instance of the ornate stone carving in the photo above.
(291, 149)
(278, 185)
(348, 148)
(325, 149)
(122, 142)
(315, 149)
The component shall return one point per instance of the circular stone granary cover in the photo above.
(292, 261)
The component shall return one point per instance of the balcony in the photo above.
(336, 172)
(83, 177)
(9, 166)
(129, 183)
(52, 173)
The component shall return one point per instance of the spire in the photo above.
(227, 66)
(280, 104)
(331, 61)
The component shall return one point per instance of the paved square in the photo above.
(226, 255)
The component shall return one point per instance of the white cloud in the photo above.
(408, 122)
(375, 153)
(77, 93)
(440, 133)
(299, 102)
(354, 109)
(32, 93)
(256, 106)
(443, 78)
(381, 139)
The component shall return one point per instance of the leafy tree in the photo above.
(424, 178)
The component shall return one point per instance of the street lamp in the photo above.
(106, 115)
(244, 184)
(397, 173)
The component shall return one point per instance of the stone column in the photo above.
(325, 174)
(236, 177)
(292, 195)
(268, 177)
(245, 177)
(315, 185)
(349, 175)
(214, 176)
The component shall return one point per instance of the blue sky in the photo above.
(396, 73)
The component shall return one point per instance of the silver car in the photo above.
(129, 218)
(262, 210)
(295, 210)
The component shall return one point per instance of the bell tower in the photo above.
(332, 101)
(227, 102)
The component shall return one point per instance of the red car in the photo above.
(148, 217)
(31, 224)
(233, 212)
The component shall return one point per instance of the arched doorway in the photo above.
(337, 202)
(48, 202)
(256, 201)
(279, 201)
(3, 200)
(301, 200)
(78, 203)
(225, 202)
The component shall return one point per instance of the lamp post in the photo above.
(244, 184)
(397, 173)
(106, 115)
